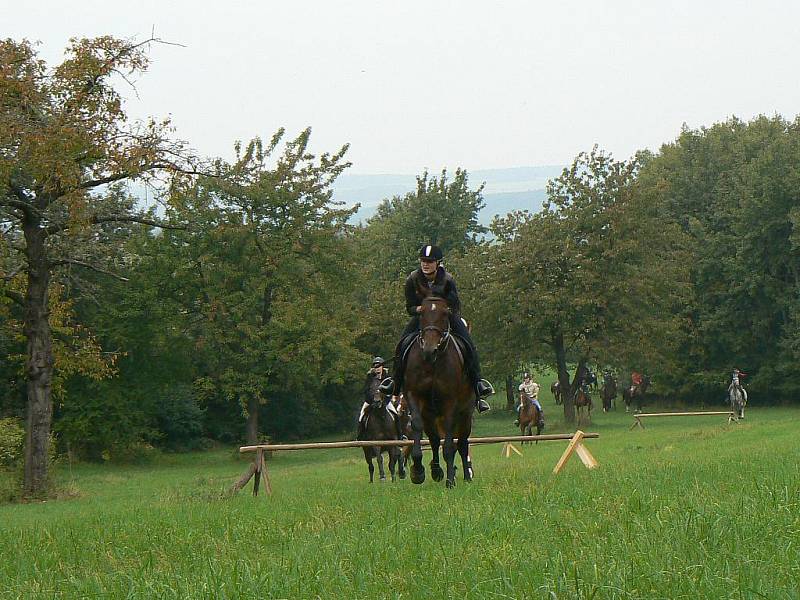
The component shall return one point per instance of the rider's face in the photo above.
(428, 266)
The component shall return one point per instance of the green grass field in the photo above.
(687, 508)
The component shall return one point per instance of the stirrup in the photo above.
(386, 387)
(482, 405)
(484, 388)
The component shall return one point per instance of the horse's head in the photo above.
(434, 323)
(378, 401)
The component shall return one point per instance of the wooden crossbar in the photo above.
(424, 442)
(637, 418)
(259, 466)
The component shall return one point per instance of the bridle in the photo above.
(444, 340)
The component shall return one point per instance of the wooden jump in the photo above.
(424, 442)
(637, 418)
(258, 468)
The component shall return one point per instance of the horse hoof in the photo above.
(383, 479)
(402, 475)
(450, 484)
(417, 475)
(437, 473)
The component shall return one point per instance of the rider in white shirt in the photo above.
(531, 390)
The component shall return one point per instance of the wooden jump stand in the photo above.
(637, 418)
(258, 467)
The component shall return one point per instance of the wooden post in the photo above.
(507, 448)
(637, 421)
(576, 445)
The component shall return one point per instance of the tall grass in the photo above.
(687, 508)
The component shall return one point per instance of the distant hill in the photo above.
(517, 188)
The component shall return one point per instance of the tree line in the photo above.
(247, 304)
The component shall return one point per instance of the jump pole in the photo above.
(638, 423)
(259, 465)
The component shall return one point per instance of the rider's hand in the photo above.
(419, 309)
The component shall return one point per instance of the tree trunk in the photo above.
(510, 393)
(38, 365)
(563, 378)
(252, 421)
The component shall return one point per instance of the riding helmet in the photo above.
(377, 361)
(431, 252)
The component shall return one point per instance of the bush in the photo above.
(12, 442)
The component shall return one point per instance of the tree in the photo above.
(64, 136)
(267, 271)
(596, 275)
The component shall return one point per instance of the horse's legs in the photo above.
(449, 451)
(368, 458)
(401, 462)
(380, 465)
(436, 469)
(392, 460)
(417, 468)
(463, 450)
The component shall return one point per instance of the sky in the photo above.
(430, 84)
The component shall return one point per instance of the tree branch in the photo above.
(79, 263)
(13, 273)
(15, 296)
(54, 229)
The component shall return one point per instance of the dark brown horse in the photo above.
(380, 426)
(555, 389)
(583, 399)
(439, 394)
(608, 391)
(635, 393)
(529, 416)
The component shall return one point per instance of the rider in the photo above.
(375, 375)
(531, 390)
(432, 277)
(636, 379)
(735, 383)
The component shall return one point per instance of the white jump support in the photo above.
(259, 466)
(637, 418)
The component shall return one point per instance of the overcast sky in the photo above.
(430, 84)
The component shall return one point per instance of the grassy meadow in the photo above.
(687, 508)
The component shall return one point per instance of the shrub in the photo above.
(12, 442)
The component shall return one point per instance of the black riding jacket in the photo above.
(418, 288)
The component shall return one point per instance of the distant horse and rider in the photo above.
(379, 424)
(636, 391)
(737, 395)
(530, 410)
(582, 399)
(609, 390)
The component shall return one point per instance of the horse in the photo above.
(439, 393)
(529, 415)
(583, 399)
(636, 392)
(608, 391)
(555, 389)
(380, 426)
(738, 400)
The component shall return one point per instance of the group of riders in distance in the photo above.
(436, 383)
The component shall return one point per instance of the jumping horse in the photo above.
(439, 393)
(380, 426)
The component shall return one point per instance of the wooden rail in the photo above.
(258, 468)
(637, 418)
(424, 442)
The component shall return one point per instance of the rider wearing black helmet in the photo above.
(432, 279)
(375, 375)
